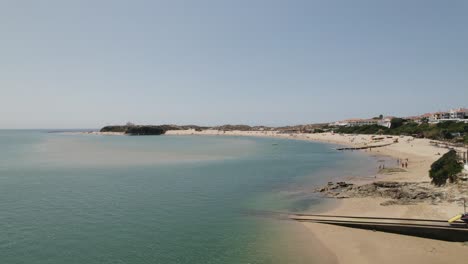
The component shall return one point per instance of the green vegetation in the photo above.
(117, 129)
(136, 130)
(145, 130)
(367, 129)
(450, 130)
(447, 167)
(397, 122)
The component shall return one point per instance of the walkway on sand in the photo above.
(426, 228)
(365, 147)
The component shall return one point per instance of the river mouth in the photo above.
(92, 199)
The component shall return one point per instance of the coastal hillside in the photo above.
(307, 128)
(131, 129)
(146, 130)
(135, 130)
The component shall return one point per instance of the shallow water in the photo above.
(164, 199)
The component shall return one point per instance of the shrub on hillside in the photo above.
(440, 131)
(145, 130)
(397, 122)
(447, 167)
(366, 129)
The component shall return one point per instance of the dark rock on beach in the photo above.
(399, 192)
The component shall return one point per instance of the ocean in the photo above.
(77, 198)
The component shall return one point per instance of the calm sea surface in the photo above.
(165, 199)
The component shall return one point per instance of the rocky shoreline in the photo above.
(402, 193)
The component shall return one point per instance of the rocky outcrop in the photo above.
(399, 192)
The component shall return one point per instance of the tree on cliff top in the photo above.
(447, 167)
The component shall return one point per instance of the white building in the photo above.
(361, 122)
(386, 122)
(459, 115)
(339, 123)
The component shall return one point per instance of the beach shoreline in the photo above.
(362, 246)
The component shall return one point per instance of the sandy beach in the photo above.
(363, 246)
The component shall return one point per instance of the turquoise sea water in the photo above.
(164, 199)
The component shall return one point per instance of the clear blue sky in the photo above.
(73, 64)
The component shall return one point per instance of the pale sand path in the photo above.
(363, 246)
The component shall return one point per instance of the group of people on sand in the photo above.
(403, 163)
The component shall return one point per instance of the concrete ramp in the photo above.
(432, 229)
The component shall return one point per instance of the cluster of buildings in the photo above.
(458, 114)
(386, 122)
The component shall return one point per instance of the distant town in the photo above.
(457, 115)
